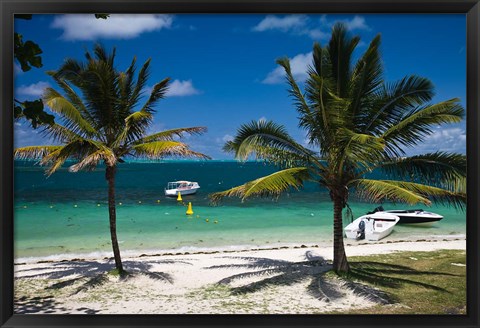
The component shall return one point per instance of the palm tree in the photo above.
(105, 124)
(357, 123)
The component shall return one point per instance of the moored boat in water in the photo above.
(371, 226)
(417, 216)
(183, 187)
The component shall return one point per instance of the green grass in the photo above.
(416, 282)
(117, 273)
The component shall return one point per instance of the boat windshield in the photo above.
(178, 185)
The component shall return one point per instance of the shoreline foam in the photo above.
(191, 250)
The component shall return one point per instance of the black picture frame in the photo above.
(471, 8)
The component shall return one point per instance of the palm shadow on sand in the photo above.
(92, 274)
(45, 304)
(323, 284)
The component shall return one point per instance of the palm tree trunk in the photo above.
(110, 176)
(340, 263)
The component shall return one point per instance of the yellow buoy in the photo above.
(206, 220)
(189, 209)
(98, 205)
(179, 198)
(215, 221)
(158, 200)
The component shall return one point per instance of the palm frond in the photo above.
(367, 77)
(441, 169)
(77, 149)
(59, 133)
(326, 110)
(315, 114)
(392, 100)
(141, 82)
(268, 186)
(34, 152)
(89, 162)
(69, 112)
(259, 135)
(73, 97)
(161, 149)
(158, 92)
(283, 158)
(359, 149)
(102, 55)
(131, 92)
(125, 87)
(70, 71)
(407, 192)
(340, 50)
(172, 133)
(415, 126)
(134, 129)
(55, 159)
(295, 93)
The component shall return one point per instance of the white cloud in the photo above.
(320, 29)
(302, 25)
(356, 23)
(34, 90)
(284, 24)
(222, 140)
(118, 26)
(298, 65)
(451, 139)
(317, 34)
(177, 88)
(24, 135)
(181, 88)
(156, 127)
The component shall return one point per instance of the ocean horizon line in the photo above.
(173, 160)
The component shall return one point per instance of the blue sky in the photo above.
(223, 67)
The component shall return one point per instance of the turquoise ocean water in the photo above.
(66, 215)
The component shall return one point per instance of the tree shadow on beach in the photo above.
(324, 284)
(392, 275)
(45, 305)
(273, 272)
(91, 274)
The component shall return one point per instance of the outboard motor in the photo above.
(361, 230)
(377, 209)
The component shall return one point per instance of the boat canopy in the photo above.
(179, 184)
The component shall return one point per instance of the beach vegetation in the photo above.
(103, 119)
(410, 278)
(355, 123)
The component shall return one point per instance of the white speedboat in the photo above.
(418, 217)
(182, 187)
(371, 226)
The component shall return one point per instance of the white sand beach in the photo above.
(276, 280)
